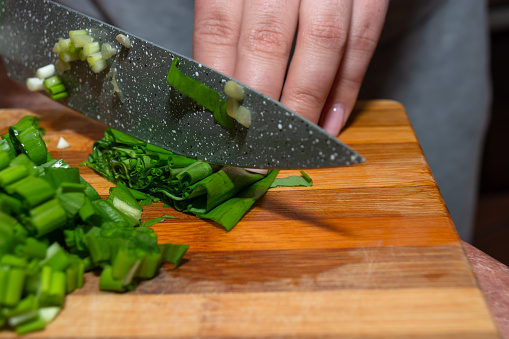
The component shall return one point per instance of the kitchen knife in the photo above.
(152, 110)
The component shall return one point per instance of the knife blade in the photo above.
(152, 110)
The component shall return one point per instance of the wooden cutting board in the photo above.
(368, 251)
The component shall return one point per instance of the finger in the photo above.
(321, 39)
(216, 33)
(367, 21)
(265, 42)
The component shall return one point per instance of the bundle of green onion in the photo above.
(221, 193)
(54, 226)
(81, 46)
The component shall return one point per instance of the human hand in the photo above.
(251, 40)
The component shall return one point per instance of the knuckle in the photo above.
(266, 39)
(363, 41)
(353, 82)
(216, 30)
(326, 32)
(306, 102)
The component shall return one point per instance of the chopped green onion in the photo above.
(13, 286)
(59, 96)
(53, 81)
(72, 33)
(70, 56)
(9, 205)
(124, 40)
(149, 265)
(107, 51)
(58, 288)
(82, 56)
(35, 248)
(92, 59)
(127, 209)
(45, 71)
(26, 138)
(12, 174)
(108, 283)
(234, 90)
(243, 116)
(56, 48)
(35, 84)
(33, 191)
(62, 143)
(22, 318)
(99, 65)
(27, 305)
(43, 200)
(32, 326)
(8, 222)
(73, 49)
(64, 45)
(232, 105)
(80, 40)
(173, 253)
(62, 66)
(57, 89)
(47, 314)
(13, 261)
(45, 284)
(91, 48)
(48, 217)
(5, 159)
(123, 262)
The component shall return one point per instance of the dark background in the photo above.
(492, 221)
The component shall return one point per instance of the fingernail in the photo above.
(334, 119)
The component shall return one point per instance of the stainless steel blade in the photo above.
(152, 110)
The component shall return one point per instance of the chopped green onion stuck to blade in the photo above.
(234, 90)
(63, 45)
(72, 33)
(99, 65)
(107, 51)
(201, 94)
(91, 48)
(79, 46)
(80, 40)
(35, 84)
(234, 106)
(124, 40)
(46, 71)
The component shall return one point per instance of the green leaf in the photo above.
(201, 94)
(293, 181)
(152, 222)
(173, 253)
(231, 211)
(26, 138)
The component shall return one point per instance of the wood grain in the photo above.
(369, 251)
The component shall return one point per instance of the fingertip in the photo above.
(334, 119)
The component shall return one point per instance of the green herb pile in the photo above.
(54, 226)
(221, 193)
